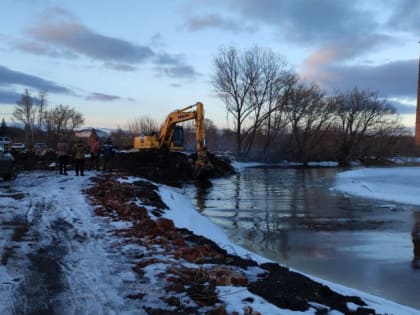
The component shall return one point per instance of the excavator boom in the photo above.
(166, 135)
(165, 138)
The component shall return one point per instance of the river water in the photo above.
(294, 217)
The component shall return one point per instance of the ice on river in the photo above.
(397, 184)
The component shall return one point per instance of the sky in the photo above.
(96, 265)
(116, 61)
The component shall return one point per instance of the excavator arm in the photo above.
(181, 115)
(165, 137)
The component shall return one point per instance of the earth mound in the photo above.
(171, 168)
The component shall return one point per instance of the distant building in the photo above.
(84, 133)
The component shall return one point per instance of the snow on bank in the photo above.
(397, 184)
(96, 276)
(184, 215)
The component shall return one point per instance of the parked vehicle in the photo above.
(7, 164)
(5, 141)
(17, 146)
(40, 146)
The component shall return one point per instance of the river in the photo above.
(294, 217)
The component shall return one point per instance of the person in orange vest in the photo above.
(94, 149)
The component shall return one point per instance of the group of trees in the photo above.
(40, 122)
(276, 113)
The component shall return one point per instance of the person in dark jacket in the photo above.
(108, 153)
(79, 157)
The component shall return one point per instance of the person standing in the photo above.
(94, 148)
(92, 136)
(79, 157)
(108, 154)
(63, 156)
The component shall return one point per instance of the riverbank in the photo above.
(137, 247)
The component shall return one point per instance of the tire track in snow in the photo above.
(65, 263)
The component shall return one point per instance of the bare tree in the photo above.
(232, 85)
(144, 124)
(122, 138)
(310, 116)
(358, 114)
(42, 103)
(248, 83)
(24, 113)
(384, 142)
(62, 120)
(277, 121)
(190, 134)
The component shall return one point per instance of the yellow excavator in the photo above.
(170, 136)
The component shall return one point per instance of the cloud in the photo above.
(213, 20)
(76, 37)
(166, 59)
(393, 79)
(178, 71)
(10, 77)
(102, 97)
(403, 108)
(173, 66)
(59, 34)
(346, 49)
(120, 66)
(405, 15)
(157, 40)
(9, 97)
(37, 48)
(340, 30)
(300, 21)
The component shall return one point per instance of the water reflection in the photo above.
(202, 190)
(291, 216)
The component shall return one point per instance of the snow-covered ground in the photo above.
(49, 231)
(398, 184)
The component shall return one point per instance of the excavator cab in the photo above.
(178, 139)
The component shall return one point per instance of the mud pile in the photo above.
(171, 168)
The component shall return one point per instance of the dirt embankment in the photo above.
(209, 265)
(171, 168)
